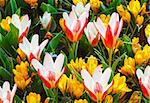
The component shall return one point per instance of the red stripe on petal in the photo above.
(46, 83)
(23, 35)
(95, 41)
(31, 56)
(108, 40)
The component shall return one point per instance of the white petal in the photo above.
(88, 80)
(37, 65)
(13, 93)
(35, 40)
(87, 7)
(148, 39)
(59, 63)
(139, 73)
(97, 74)
(24, 23)
(48, 62)
(106, 88)
(16, 21)
(147, 71)
(82, 20)
(100, 26)
(119, 29)
(68, 22)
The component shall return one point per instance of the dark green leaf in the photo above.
(17, 99)
(13, 6)
(48, 7)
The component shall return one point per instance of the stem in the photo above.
(131, 27)
(110, 56)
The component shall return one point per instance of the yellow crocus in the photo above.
(2, 3)
(135, 97)
(146, 51)
(134, 7)
(61, 23)
(119, 85)
(21, 75)
(124, 13)
(108, 99)
(77, 65)
(105, 19)
(129, 67)
(91, 65)
(77, 1)
(5, 23)
(81, 101)
(95, 5)
(32, 3)
(62, 84)
(21, 54)
(135, 45)
(139, 20)
(33, 98)
(147, 30)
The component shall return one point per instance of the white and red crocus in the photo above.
(76, 21)
(6, 95)
(144, 80)
(97, 85)
(92, 34)
(33, 49)
(22, 25)
(50, 72)
(111, 32)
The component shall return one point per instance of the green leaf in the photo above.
(48, 7)
(116, 98)
(17, 99)
(49, 92)
(18, 11)
(13, 6)
(53, 25)
(52, 2)
(128, 46)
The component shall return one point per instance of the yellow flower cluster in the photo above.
(142, 56)
(70, 85)
(135, 45)
(5, 23)
(81, 101)
(129, 67)
(77, 1)
(80, 64)
(95, 5)
(105, 19)
(33, 98)
(119, 85)
(32, 3)
(21, 75)
(22, 55)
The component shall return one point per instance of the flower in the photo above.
(2, 3)
(95, 5)
(46, 20)
(21, 75)
(6, 95)
(119, 85)
(32, 3)
(81, 101)
(139, 20)
(92, 34)
(129, 67)
(22, 24)
(77, 1)
(144, 80)
(5, 23)
(97, 85)
(134, 7)
(105, 19)
(124, 13)
(135, 97)
(32, 50)
(135, 45)
(50, 72)
(147, 30)
(33, 98)
(62, 84)
(76, 21)
(61, 23)
(108, 99)
(110, 33)
(21, 54)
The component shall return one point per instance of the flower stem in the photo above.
(110, 56)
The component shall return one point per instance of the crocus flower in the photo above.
(111, 32)
(33, 98)
(144, 80)
(33, 49)
(46, 20)
(6, 95)
(50, 72)
(97, 85)
(77, 1)
(75, 22)
(92, 34)
(22, 24)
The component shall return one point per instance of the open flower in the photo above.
(75, 22)
(144, 80)
(46, 20)
(110, 33)
(97, 85)
(33, 49)
(50, 72)
(33, 98)
(92, 34)
(6, 95)
(22, 24)
(5, 23)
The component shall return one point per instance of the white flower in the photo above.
(33, 49)
(22, 24)
(50, 72)
(6, 95)
(46, 20)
